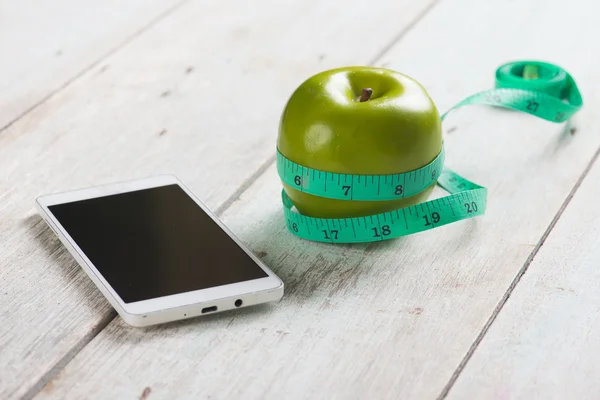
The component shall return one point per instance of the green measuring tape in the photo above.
(537, 88)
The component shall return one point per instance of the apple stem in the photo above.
(366, 95)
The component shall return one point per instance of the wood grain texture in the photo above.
(198, 95)
(545, 342)
(392, 319)
(43, 45)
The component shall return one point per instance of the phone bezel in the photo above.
(159, 304)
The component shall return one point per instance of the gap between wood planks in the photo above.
(62, 363)
(53, 372)
(118, 47)
(516, 280)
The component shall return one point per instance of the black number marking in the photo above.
(435, 217)
(298, 180)
(385, 231)
(346, 190)
(471, 208)
(532, 105)
(399, 190)
(334, 233)
(293, 225)
(433, 173)
(559, 116)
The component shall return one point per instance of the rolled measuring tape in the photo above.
(541, 89)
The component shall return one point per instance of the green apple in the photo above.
(359, 120)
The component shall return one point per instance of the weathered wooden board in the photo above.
(198, 95)
(545, 342)
(44, 45)
(394, 319)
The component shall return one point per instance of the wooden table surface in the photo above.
(505, 306)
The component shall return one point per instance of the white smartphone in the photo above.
(156, 252)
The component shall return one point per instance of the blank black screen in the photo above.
(155, 242)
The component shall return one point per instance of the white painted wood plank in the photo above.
(545, 343)
(394, 319)
(45, 44)
(198, 95)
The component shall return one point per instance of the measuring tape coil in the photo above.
(537, 88)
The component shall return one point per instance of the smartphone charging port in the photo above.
(209, 309)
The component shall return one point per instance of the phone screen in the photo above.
(155, 242)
